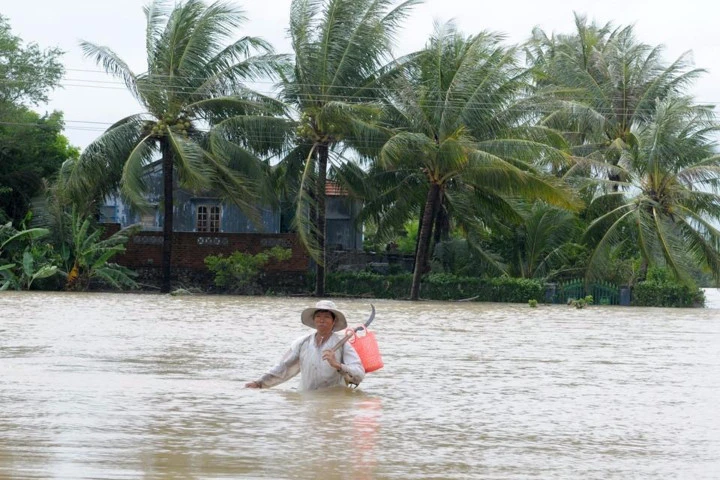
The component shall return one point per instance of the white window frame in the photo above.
(207, 218)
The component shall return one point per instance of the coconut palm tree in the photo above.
(543, 246)
(461, 133)
(670, 205)
(599, 82)
(342, 50)
(198, 117)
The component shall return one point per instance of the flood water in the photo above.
(125, 386)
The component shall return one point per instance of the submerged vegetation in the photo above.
(241, 270)
(497, 168)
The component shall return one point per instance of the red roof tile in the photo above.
(332, 189)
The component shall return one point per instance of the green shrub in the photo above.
(667, 294)
(367, 284)
(242, 269)
(661, 289)
(439, 286)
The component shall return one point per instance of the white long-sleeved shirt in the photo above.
(305, 357)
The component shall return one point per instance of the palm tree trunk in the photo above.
(424, 239)
(417, 239)
(642, 274)
(441, 232)
(323, 153)
(167, 169)
(614, 159)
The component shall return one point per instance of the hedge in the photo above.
(435, 287)
(665, 294)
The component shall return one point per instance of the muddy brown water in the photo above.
(126, 386)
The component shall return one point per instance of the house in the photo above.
(342, 231)
(193, 213)
(205, 225)
(208, 214)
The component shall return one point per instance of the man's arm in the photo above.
(287, 368)
(351, 366)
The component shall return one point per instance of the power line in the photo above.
(470, 106)
(120, 85)
(460, 105)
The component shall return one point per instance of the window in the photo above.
(147, 219)
(208, 218)
(108, 214)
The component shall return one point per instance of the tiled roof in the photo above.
(332, 189)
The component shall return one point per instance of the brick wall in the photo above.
(189, 249)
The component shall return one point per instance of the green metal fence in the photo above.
(603, 293)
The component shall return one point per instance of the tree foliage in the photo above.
(32, 150)
(32, 147)
(241, 269)
(89, 254)
(198, 116)
(342, 53)
(460, 137)
(670, 204)
(24, 258)
(28, 72)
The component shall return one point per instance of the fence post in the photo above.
(550, 291)
(625, 295)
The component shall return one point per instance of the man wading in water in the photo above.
(312, 354)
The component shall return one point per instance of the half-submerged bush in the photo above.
(661, 290)
(655, 294)
(240, 269)
(581, 302)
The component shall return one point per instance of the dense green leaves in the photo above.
(31, 146)
(28, 73)
(32, 150)
(90, 255)
(438, 287)
(645, 153)
(457, 131)
(672, 194)
(487, 155)
(23, 258)
(240, 270)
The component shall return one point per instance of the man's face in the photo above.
(323, 321)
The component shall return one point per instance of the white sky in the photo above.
(92, 100)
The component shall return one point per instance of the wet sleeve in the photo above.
(287, 368)
(352, 366)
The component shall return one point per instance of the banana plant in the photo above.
(33, 269)
(91, 255)
(22, 264)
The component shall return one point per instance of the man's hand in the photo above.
(329, 356)
(253, 385)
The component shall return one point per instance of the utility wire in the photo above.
(120, 85)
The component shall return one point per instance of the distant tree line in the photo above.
(580, 154)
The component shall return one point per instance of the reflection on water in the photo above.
(140, 386)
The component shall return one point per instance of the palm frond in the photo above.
(97, 172)
(156, 15)
(112, 64)
(304, 224)
(192, 169)
(134, 177)
(612, 236)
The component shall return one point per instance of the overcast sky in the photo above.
(92, 100)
